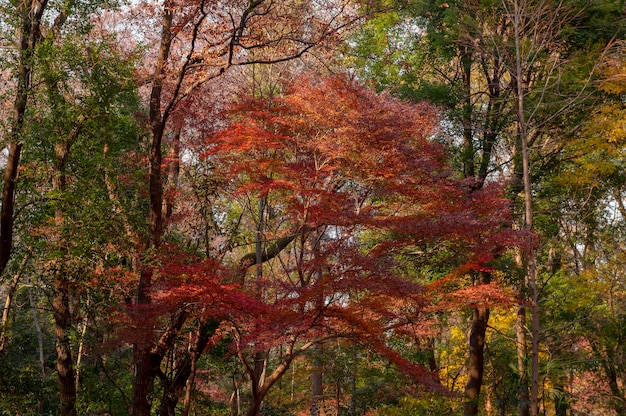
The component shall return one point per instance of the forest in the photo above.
(324, 208)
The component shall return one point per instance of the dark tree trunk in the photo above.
(30, 15)
(173, 172)
(144, 359)
(173, 388)
(317, 386)
(65, 366)
(476, 361)
(142, 385)
(61, 302)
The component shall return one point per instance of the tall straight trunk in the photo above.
(145, 361)
(476, 361)
(65, 367)
(528, 211)
(317, 385)
(40, 344)
(524, 399)
(61, 301)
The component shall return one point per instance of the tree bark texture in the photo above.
(476, 361)
(65, 366)
(524, 398)
(317, 386)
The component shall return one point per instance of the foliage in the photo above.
(428, 405)
(239, 228)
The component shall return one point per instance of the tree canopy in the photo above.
(277, 207)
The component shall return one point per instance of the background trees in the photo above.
(478, 53)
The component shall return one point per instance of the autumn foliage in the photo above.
(337, 187)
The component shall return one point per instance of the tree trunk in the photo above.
(255, 405)
(528, 211)
(476, 361)
(142, 384)
(30, 14)
(42, 356)
(142, 355)
(182, 379)
(61, 301)
(4, 325)
(148, 360)
(317, 387)
(173, 172)
(65, 367)
(524, 399)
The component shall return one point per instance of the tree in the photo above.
(299, 154)
(454, 62)
(587, 277)
(464, 59)
(62, 81)
(200, 42)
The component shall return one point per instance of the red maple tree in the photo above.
(338, 183)
(332, 185)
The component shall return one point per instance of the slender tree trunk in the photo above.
(524, 399)
(9, 301)
(183, 378)
(81, 348)
(235, 399)
(40, 347)
(317, 387)
(528, 211)
(190, 382)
